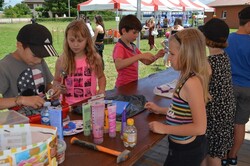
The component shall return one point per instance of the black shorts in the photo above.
(190, 154)
(242, 96)
(100, 48)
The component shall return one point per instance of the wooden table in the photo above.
(76, 155)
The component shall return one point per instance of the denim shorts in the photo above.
(242, 97)
(190, 154)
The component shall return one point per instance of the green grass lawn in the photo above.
(8, 44)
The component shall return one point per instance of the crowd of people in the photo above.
(205, 122)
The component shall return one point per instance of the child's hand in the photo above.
(56, 92)
(157, 127)
(31, 101)
(160, 53)
(148, 56)
(63, 89)
(152, 107)
(101, 92)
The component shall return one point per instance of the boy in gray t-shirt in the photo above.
(25, 76)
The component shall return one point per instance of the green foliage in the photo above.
(55, 6)
(18, 11)
(41, 11)
(106, 15)
(61, 7)
(54, 19)
(1, 4)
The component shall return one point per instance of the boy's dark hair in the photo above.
(129, 22)
(244, 16)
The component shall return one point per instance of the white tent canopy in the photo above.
(157, 5)
(205, 7)
(128, 5)
(146, 5)
(186, 5)
(171, 6)
(92, 5)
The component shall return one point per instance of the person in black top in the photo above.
(99, 35)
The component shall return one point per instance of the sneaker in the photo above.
(232, 161)
(224, 162)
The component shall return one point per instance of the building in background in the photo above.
(228, 10)
(33, 4)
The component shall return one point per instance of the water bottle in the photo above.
(45, 114)
(130, 134)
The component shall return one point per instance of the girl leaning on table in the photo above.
(186, 120)
(81, 63)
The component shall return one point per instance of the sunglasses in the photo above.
(177, 38)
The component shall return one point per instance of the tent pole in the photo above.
(117, 20)
(139, 17)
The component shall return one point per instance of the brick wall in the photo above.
(232, 15)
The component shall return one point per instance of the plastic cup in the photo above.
(61, 147)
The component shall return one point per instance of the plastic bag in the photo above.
(135, 106)
(154, 32)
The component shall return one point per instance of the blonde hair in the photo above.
(80, 28)
(192, 57)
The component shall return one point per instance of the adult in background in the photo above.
(24, 74)
(33, 20)
(99, 34)
(177, 26)
(87, 22)
(239, 54)
(221, 108)
(151, 37)
(165, 22)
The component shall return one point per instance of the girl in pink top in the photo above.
(81, 63)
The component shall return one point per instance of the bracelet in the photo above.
(16, 100)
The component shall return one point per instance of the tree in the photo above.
(19, 10)
(40, 11)
(1, 4)
(60, 7)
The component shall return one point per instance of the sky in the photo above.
(11, 2)
(14, 2)
(206, 1)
